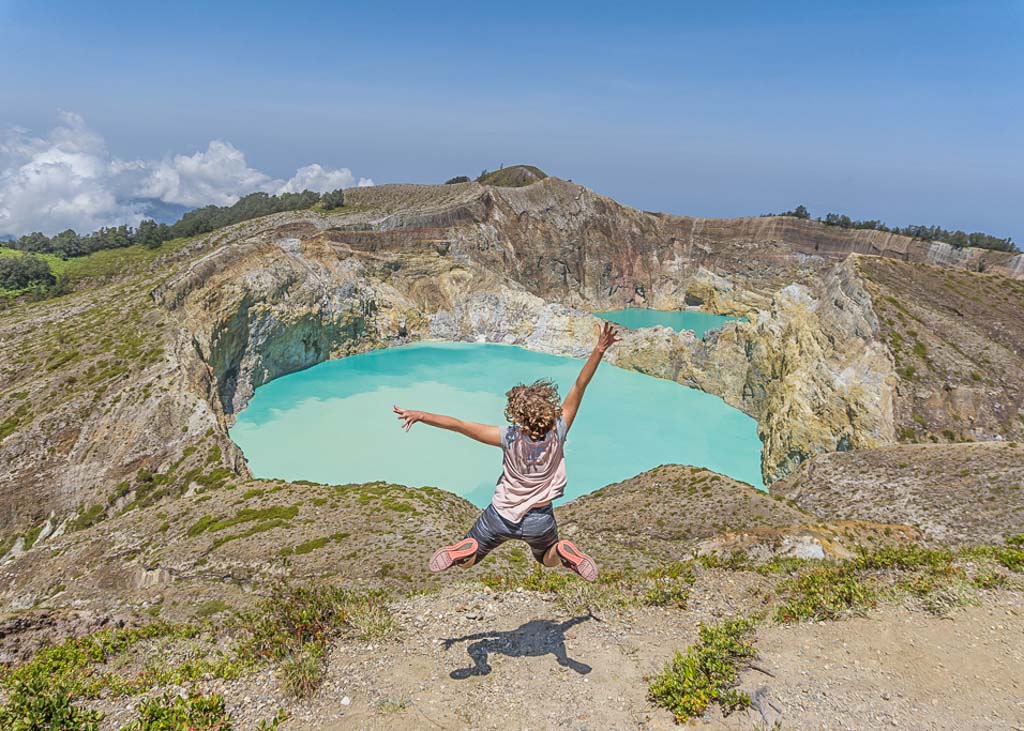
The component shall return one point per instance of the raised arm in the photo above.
(480, 432)
(607, 337)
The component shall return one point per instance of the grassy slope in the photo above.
(104, 263)
(514, 176)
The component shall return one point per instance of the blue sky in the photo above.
(906, 111)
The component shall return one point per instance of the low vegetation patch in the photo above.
(34, 704)
(1009, 555)
(664, 586)
(246, 515)
(312, 544)
(708, 672)
(173, 712)
(193, 711)
(40, 694)
(291, 629)
(88, 517)
(294, 625)
(274, 516)
(32, 535)
(824, 592)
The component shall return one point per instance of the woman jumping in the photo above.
(533, 471)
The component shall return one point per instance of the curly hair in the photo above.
(535, 408)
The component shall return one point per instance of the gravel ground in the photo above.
(467, 657)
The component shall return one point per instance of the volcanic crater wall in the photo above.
(807, 366)
(526, 265)
(142, 375)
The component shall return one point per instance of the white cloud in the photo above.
(68, 179)
(316, 178)
(216, 177)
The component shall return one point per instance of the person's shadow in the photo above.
(533, 639)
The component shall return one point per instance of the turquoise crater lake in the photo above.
(332, 423)
(637, 317)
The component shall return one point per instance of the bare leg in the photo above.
(551, 557)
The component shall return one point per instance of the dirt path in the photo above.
(470, 658)
(902, 669)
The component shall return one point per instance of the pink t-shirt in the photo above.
(533, 472)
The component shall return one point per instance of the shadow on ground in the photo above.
(535, 638)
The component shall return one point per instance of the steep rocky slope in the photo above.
(957, 342)
(955, 493)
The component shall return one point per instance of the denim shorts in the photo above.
(537, 528)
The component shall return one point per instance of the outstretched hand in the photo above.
(408, 418)
(607, 337)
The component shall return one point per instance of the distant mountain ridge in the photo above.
(160, 211)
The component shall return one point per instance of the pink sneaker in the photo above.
(575, 560)
(443, 558)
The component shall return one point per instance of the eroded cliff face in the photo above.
(525, 266)
(828, 383)
(808, 366)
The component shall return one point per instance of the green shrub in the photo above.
(34, 703)
(32, 535)
(294, 624)
(332, 199)
(829, 591)
(6, 544)
(40, 692)
(194, 712)
(246, 515)
(211, 607)
(1011, 556)
(201, 525)
(665, 592)
(371, 620)
(905, 558)
(536, 580)
(253, 530)
(88, 517)
(707, 673)
(735, 561)
(667, 585)
(989, 580)
(302, 672)
(306, 546)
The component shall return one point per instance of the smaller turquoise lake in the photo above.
(637, 317)
(332, 423)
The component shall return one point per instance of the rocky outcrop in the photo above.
(817, 378)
